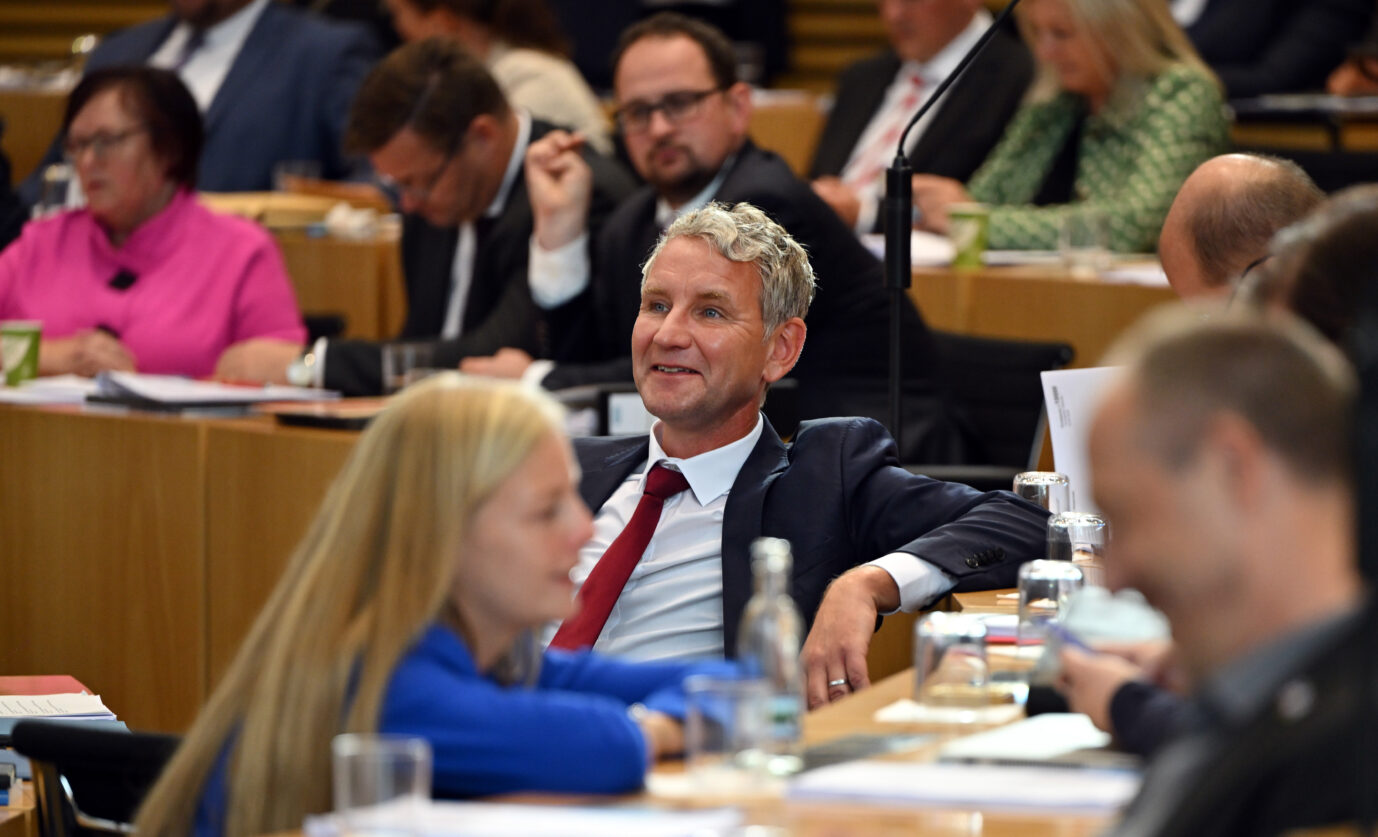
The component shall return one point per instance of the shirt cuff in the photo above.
(559, 275)
(536, 372)
(920, 582)
(866, 214)
(318, 368)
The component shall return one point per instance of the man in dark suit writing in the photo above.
(436, 127)
(721, 318)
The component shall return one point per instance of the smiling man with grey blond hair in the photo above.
(721, 317)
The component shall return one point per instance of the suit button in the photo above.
(973, 563)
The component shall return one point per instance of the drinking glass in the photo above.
(1043, 590)
(1084, 243)
(1080, 537)
(1048, 489)
(405, 364)
(382, 782)
(950, 665)
(726, 725)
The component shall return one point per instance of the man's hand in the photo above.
(840, 197)
(560, 184)
(258, 360)
(507, 363)
(933, 196)
(1089, 681)
(836, 647)
(84, 353)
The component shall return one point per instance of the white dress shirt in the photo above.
(671, 606)
(932, 72)
(1187, 12)
(462, 268)
(206, 68)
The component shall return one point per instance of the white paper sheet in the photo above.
(53, 706)
(1060, 789)
(58, 389)
(481, 819)
(1052, 737)
(173, 389)
(1071, 397)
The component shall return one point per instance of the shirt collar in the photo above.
(710, 474)
(666, 214)
(940, 66)
(233, 29)
(514, 164)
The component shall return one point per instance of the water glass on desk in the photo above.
(1047, 489)
(1080, 537)
(406, 363)
(726, 725)
(382, 783)
(1084, 243)
(950, 664)
(1044, 587)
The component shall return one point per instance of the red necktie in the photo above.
(610, 574)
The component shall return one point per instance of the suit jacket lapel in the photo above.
(743, 520)
(255, 56)
(604, 474)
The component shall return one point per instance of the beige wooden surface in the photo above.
(101, 526)
(360, 279)
(18, 818)
(263, 485)
(32, 120)
(1033, 303)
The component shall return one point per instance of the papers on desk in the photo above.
(172, 392)
(1056, 738)
(970, 786)
(1071, 397)
(58, 389)
(54, 706)
(481, 819)
(907, 711)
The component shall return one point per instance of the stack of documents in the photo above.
(986, 787)
(84, 706)
(170, 392)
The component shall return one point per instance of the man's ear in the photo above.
(738, 98)
(483, 133)
(784, 348)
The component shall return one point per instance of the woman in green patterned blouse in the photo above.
(1123, 109)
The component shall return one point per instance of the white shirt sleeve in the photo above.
(536, 372)
(559, 275)
(920, 582)
(866, 214)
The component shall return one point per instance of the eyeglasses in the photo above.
(99, 143)
(419, 192)
(677, 107)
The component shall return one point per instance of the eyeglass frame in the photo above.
(687, 110)
(99, 144)
(421, 193)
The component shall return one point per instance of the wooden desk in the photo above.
(146, 545)
(360, 279)
(32, 119)
(1033, 303)
(19, 819)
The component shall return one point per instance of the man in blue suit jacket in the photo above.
(721, 319)
(284, 96)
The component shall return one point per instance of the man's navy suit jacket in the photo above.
(286, 96)
(839, 496)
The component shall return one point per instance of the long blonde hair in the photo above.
(374, 569)
(1141, 35)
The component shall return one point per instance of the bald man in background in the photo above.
(1224, 216)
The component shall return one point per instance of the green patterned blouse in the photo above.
(1132, 159)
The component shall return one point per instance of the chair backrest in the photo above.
(996, 384)
(87, 779)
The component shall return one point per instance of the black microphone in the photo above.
(124, 280)
(898, 213)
